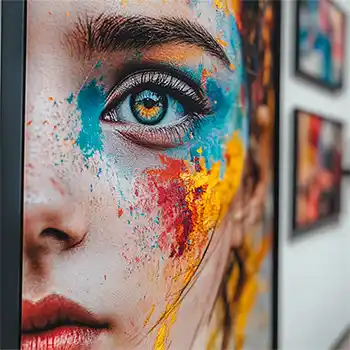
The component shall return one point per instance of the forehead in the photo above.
(200, 11)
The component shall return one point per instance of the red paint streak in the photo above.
(315, 125)
(163, 241)
(172, 168)
(239, 23)
(170, 195)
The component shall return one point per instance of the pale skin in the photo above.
(101, 265)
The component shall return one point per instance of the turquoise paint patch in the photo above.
(98, 64)
(195, 75)
(194, 3)
(70, 98)
(235, 38)
(90, 102)
(213, 131)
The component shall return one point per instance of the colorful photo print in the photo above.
(320, 42)
(149, 175)
(318, 170)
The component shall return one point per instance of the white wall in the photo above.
(314, 270)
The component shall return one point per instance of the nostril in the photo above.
(56, 234)
(64, 239)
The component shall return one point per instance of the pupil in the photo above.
(149, 103)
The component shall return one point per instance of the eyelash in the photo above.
(196, 105)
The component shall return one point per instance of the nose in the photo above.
(54, 220)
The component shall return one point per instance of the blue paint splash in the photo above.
(90, 102)
(211, 133)
(70, 98)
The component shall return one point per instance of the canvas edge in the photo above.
(276, 179)
(13, 44)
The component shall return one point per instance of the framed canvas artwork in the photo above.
(149, 186)
(320, 43)
(318, 170)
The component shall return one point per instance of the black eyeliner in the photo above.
(139, 66)
(168, 79)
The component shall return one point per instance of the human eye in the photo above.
(155, 106)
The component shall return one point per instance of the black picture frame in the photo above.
(13, 46)
(307, 76)
(333, 217)
(278, 7)
(12, 102)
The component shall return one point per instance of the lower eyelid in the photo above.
(155, 137)
(152, 138)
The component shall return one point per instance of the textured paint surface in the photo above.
(148, 170)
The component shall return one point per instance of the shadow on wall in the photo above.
(343, 343)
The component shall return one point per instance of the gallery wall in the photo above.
(314, 269)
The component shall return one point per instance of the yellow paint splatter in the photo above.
(149, 315)
(233, 6)
(161, 337)
(222, 5)
(218, 192)
(221, 42)
(207, 210)
(228, 6)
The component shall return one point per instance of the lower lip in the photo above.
(62, 338)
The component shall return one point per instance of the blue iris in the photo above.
(149, 107)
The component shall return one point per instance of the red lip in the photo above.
(58, 323)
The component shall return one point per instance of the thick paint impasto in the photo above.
(148, 175)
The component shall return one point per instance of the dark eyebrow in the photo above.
(108, 33)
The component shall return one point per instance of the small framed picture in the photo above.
(320, 43)
(317, 170)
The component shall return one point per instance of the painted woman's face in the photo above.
(136, 122)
